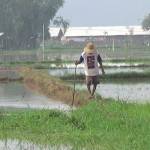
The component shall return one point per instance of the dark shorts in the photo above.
(92, 80)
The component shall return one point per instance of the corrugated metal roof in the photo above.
(105, 30)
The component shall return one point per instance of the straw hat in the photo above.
(90, 48)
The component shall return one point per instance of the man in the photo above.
(91, 58)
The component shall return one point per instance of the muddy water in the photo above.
(20, 145)
(138, 92)
(16, 94)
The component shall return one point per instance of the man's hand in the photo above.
(76, 63)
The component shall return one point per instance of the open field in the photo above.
(103, 124)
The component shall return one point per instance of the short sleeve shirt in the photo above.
(90, 61)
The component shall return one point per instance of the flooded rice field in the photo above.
(20, 145)
(68, 71)
(9, 73)
(16, 94)
(138, 91)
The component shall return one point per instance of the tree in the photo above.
(146, 22)
(22, 20)
(60, 22)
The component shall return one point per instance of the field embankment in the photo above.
(53, 87)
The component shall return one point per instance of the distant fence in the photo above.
(59, 51)
(16, 56)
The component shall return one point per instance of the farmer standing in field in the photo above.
(91, 58)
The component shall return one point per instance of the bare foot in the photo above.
(91, 96)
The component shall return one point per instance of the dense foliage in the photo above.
(21, 20)
(60, 22)
(146, 22)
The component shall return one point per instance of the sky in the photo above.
(104, 12)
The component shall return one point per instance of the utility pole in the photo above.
(113, 45)
(43, 40)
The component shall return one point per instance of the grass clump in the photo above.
(103, 124)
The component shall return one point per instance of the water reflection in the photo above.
(128, 91)
(16, 94)
(20, 145)
(67, 71)
(139, 92)
(8, 73)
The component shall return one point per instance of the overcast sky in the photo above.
(104, 12)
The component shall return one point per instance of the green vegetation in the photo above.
(22, 20)
(141, 62)
(102, 124)
(146, 22)
(60, 22)
(35, 65)
(114, 77)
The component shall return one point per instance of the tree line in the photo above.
(146, 22)
(21, 21)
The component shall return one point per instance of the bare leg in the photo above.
(89, 88)
(94, 88)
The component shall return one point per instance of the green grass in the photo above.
(130, 61)
(103, 124)
(114, 77)
(35, 64)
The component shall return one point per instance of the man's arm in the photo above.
(99, 59)
(79, 61)
(102, 68)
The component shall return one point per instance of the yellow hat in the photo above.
(90, 48)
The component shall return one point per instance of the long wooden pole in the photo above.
(74, 86)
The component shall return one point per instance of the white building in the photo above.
(55, 33)
(104, 34)
(1, 33)
(74, 33)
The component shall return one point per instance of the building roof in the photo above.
(54, 31)
(105, 31)
(1, 33)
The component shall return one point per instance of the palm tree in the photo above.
(60, 22)
(146, 22)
